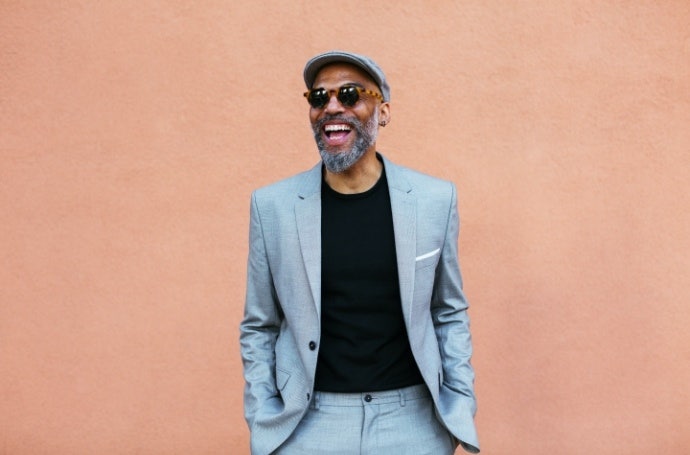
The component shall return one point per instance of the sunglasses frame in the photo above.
(340, 94)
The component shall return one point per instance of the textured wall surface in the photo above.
(131, 136)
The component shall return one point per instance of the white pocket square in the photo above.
(427, 255)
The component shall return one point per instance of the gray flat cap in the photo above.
(313, 66)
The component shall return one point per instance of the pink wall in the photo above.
(131, 135)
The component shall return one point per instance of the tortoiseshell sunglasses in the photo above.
(348, 95)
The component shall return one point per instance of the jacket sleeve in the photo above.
(260, 325)
(451, 324)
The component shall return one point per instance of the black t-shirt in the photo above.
(364, 344)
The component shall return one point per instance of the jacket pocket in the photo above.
(427, 259)
(282, 378)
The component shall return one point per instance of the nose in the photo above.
(333, 106)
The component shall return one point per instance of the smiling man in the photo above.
(355, 337)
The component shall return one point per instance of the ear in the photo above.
(384, 114)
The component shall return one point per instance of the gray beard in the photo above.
(338, 162)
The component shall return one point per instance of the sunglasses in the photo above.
(348, 95)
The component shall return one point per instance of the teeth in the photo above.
(329, 128)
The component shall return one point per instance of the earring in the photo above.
(383, 123)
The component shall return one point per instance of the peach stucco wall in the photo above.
(131, 136)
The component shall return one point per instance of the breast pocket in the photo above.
(427, 259)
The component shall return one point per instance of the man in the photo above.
(355, 337)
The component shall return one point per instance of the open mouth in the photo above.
(336, 133)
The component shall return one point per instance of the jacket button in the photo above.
(312, 345)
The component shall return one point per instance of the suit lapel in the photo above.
(404, 208)
(308, 219)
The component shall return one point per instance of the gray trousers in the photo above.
(392, 422)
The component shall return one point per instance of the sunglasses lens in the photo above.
(318, 98)
(348, 96)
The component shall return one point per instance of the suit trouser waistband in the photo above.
(390, 422)
(414, 392)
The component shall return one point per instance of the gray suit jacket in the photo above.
(279, 334)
